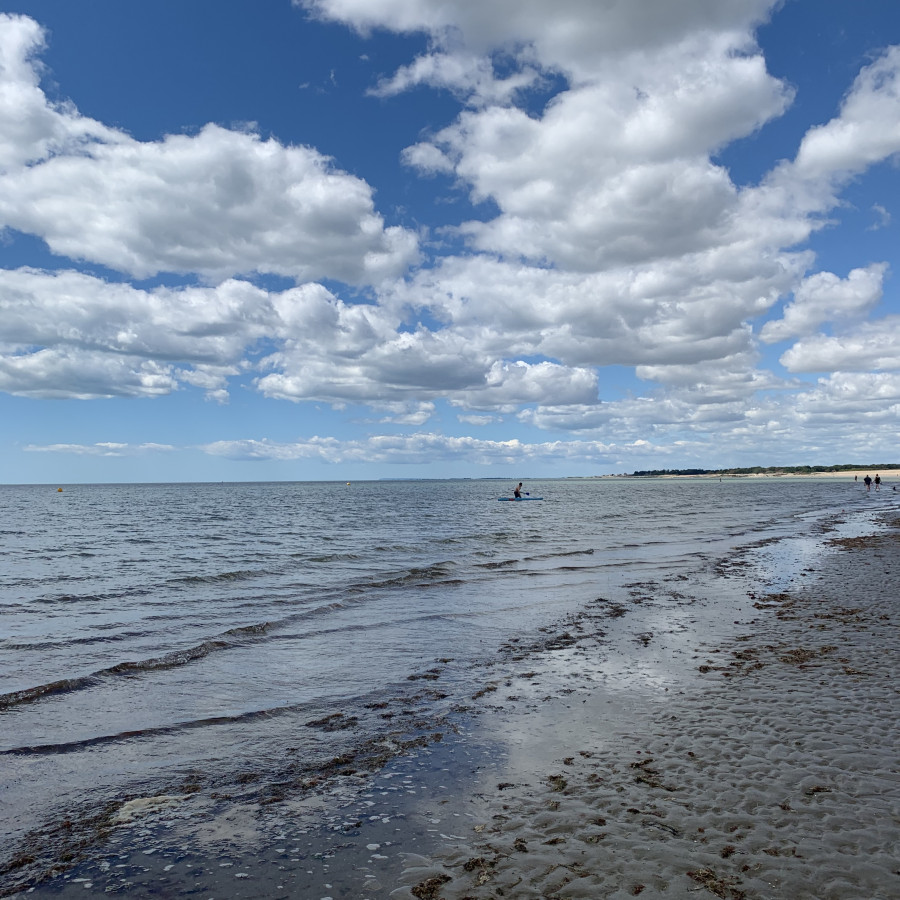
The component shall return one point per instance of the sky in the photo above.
(349, 239)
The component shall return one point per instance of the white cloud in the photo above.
(415, 449)
(104, 448)
(460, 71)
(476, 420)
(690, 309)
(508, 386)
(31, 128)
(77, 374)
(215, 204)
(402, 367)
(867, 129)
(824, 297)
(67, 307)
(883, 216)
(66, 334)
(406, 413)
(851, 394)
(576, 33)
(874, 345)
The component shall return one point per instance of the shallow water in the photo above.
(154, 631)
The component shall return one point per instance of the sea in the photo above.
(245, 641)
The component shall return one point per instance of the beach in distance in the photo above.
(639, 687)
(887, 474)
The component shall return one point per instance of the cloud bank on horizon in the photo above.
(592, 287)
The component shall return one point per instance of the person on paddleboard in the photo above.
(517, 493)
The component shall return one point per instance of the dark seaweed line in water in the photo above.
(506, 563)
(561, 553)
(70, 685)
(161, 730)
(232, 638)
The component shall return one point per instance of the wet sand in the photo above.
(683, 739)
(772, 772)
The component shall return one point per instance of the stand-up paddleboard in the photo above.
(517, 499)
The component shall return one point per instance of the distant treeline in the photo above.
(768, 470)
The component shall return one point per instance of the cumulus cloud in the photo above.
(874, 345)
(216, 203)
(407, 413)
(577, 32)
(414, 448)
(359, 358)
(75, 374)
(867, 129)
(508, 386)
(691, 309)
(103, 448)
(848, 394)
(32, 128)
(476, 419)
(67, 334)
(824, 297)
(462, 72)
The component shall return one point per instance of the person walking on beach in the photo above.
(517, 493)
(877, 482)
(868, 482)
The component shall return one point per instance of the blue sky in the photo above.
(345, 239)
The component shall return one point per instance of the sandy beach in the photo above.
(888, 476)
(687, 738)
(770, 770)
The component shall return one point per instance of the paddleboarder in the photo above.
(517, 493)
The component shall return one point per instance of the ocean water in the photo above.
(154, 634)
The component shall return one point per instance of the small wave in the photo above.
(333, 557)
(237, 575)
(50, 599)
(70, 598)
(69, 685)
(104, 638)
(561, 554)
(418, 576)
(233, 637)
(138, 734)
(250, 630)
(498, 564)
(63, 686)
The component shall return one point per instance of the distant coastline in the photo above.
(849, 470)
